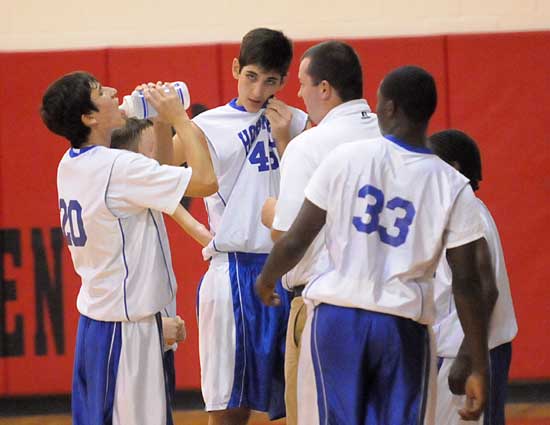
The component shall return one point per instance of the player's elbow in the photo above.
(276, 235)
(201, 186)
(210, 185)
(491, 295)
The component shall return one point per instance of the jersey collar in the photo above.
(406, 146)
(74, 152)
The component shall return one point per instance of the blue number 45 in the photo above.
(259, 157)
(374, 210)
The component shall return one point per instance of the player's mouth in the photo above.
(255, 102)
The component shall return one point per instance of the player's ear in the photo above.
(236, 68)
(325, 89)
(88, 120)
(390, 108)
(284, 79)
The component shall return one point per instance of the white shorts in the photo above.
(241, 341)
(119, 375)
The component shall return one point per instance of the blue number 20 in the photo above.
(374, 210)
(70, 213)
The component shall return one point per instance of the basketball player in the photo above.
(241, 342)
(110, 205)
(460, 151)
(331, 86)
(389, 205)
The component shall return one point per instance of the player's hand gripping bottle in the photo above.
(135, 105)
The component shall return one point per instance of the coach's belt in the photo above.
(297, 290)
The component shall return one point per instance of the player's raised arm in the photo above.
(190, 141)
(471, 278)
(289, 250)
(191, 226)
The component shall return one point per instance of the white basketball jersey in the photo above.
(503, 326)
(246, 163)
(389, 208)
(345, 123)
(109, 202)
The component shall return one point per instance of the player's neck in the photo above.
(98, 138)
(414, 135)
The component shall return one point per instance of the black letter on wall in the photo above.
(11, 344)
(49, 291)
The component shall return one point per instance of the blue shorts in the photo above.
(370, 368)
(448, 403)
(118, 375)
(241, 341)
(501, 358)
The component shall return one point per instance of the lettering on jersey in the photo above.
(374, 210)
(48, 291)
(248, 135)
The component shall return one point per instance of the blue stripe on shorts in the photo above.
(97, 355)
(370, 368)
(260, 339)
(169, 373)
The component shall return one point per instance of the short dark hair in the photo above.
(127, 137)
(270, 49)
(197, 108)
(412, 89)
(64, 103)
(337, 63)
(456, 146)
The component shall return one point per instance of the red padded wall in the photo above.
(498, 91)
(492, 86)
(28, 160)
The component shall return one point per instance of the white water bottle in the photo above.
(135, 105)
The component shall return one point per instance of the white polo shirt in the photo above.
(347, 122)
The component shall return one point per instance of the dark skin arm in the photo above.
(473, 283)
(289, 250)
(462, 366)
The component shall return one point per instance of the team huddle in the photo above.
(354, 277)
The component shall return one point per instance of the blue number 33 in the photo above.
(374, 211)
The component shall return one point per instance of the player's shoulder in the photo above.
(214, 113)
(486, 216)
(442, 168)
(90, 153)
(125, 160)
(360, 150)
(299, 121)
(306, 138)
